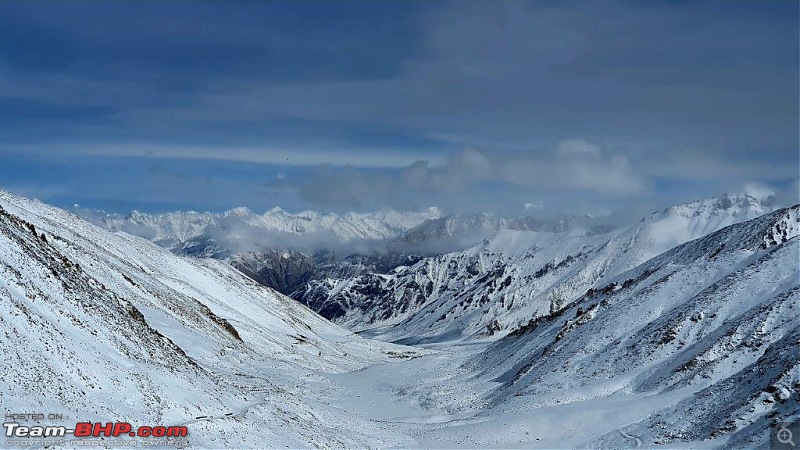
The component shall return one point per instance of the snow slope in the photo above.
(493, 287)
(697, 345)
(692, 347)
(103, 326)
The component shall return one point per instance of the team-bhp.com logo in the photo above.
(89, 429)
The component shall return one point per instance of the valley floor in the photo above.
(429, 400)
(422, 397)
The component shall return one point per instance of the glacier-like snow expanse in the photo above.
(680, 337)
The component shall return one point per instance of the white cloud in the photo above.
(576, 165)
(535, 205)
(577, 147)
(583, 168)
(287, 155)
(758, 190)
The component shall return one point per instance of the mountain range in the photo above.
(174, 228)
(489, 289)
(285, 251)
(680, 330)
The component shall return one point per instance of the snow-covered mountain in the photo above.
(173, 228)
(288, 271)
(512, 276)
(285, 251)
(686, 346)
(459, 231)
(278, 249)
(102, 326)
(699, 343)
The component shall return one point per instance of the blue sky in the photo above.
(358, 105)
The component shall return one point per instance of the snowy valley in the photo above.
(680, 330)
(399, 224)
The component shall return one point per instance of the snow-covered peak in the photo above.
(459, 231)
(451, 226)
(677, 224)
(170, 229)
(240, 211)
(698, 346)
(734, 205)
(516, 273)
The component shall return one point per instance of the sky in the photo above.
(509, 106)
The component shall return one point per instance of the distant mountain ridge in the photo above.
(285, 251)
(170, 229)
(318, 258)
(623, 338)
(494, 286)
(279, 249)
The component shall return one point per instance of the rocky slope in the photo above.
(101, 326)
(285, 251)
(701, 341)
(288, 271)
(493, 287)
(281, 250)
(693, 345)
